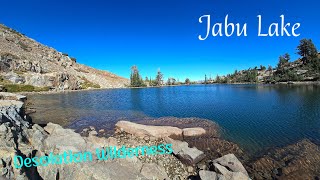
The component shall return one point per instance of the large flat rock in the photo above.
(143, 130)
(63, 139)
(12, 96)
(187, 132)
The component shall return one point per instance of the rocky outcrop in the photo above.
(13, 130)
(25, 61)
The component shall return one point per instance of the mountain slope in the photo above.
(27, 62)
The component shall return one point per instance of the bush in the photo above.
(24, 46)
(87, 84)
(19, 88)
(73, 59)
(24, 88)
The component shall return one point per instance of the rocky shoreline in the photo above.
(20, 137)
(198, 150)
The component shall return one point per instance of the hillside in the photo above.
(26, 64)
(304, 69)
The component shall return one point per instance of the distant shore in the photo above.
(97, 89)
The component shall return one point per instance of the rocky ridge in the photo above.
(25, 61)
(21, 137)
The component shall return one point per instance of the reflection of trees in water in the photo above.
(135, 99)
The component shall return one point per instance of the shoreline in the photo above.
(209, 147)
(33, 140)
(113, 88)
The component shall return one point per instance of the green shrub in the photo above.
(39, 89)
(24, 46)
(24, 88)
(19, 88)
(87, 84)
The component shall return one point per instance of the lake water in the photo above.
(254, 116)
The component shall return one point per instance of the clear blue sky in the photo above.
(113, 35)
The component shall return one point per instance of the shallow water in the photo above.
(254, 116)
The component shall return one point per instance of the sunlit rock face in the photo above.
(25, 61)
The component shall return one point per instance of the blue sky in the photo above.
(113, 35)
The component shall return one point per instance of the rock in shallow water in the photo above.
(296, 161)
(193, 131)
(143, 130)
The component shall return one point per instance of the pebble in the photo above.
(146, 138)
(152, 138)
(190, 169)
(202, 166)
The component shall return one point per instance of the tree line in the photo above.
(137, 81)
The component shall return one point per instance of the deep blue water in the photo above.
(253, 116)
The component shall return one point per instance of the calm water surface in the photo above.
(254, 116)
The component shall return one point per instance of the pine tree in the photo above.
(159, 78)
(205, 79)
(187, 81)
(307, 50)
(135, 78)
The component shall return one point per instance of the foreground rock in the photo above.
(296, 161)
(13, 130)
(226, 167)
(186, 154)
(210, 143)
(193, 131)
(231, 162)
(156, 131)
(19, 137)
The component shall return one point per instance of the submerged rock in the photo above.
(296, 161)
